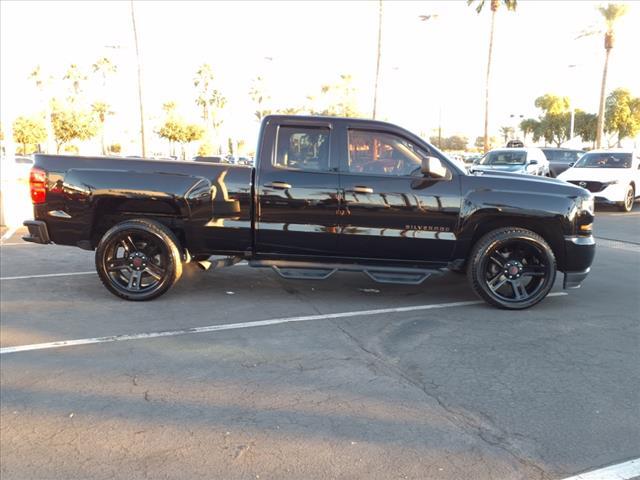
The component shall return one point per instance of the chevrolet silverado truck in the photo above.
(326, 195)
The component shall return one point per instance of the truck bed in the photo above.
(206, 204)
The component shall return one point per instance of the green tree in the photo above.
(69, 125)
(529, 126)
(114, 148)
(586, 125)
(290, 110)
(28, 132)
(260, 97)
(336, 99)
(101, 110)
(479, 143)
(506, 133)
(511, 5)
(455, 142)
(554, 128)
(552, 104)
(554, 123)
(622, 114)
(178, 131)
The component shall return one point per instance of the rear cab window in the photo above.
(302, 148)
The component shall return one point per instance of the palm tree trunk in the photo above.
(135, 37)
(603, 88)
(375, 90)
(486, 91)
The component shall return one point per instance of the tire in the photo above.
(512, 268)
(138, 259)
(629, 197)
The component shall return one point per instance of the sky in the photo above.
(431, 72)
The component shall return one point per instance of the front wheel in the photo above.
(512, 268)
(138, 259)
(629, 197)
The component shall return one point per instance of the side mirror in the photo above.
(533, 162)
(433, 167)
(571, 164)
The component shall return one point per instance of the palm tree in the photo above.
(209, 99)
(41, 83)
(135, 39)
(611, 14)
(101, 110)
(375, 88)
(104, 67)
(75, 77)
(506, 132)
(495, 5)
(259, 95)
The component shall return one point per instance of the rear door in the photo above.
(391, 210)
(297, 187)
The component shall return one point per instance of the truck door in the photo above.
(391, 209)
(297, 187)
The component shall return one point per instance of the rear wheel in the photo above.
(512, 268)
(629, 197)
(138, 259)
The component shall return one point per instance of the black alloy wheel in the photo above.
(138, 259)
(512, 268)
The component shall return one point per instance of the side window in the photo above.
(302, 148)
(383, 154)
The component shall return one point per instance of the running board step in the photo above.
(299, 270)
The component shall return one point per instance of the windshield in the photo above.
(504, 158)
(562, 156)
(604, 160)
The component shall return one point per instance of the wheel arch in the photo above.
(549, 228)
(110, 211)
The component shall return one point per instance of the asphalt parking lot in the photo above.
(445, 390)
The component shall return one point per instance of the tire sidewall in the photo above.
(168, 243)
(626, 194)
(480, 259)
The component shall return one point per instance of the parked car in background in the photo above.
(560, 159)
(613, 176)
(471, 159)
(209, 159)
(529, 161)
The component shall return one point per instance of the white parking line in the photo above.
(236, 326)
(621, 471)
(8, 234)
(23, 277)
(16, 244)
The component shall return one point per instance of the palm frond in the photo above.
(590, 31)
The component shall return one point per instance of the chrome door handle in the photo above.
(361, 189)
(280, 185)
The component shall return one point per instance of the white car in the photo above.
(525, 160)
(613, 176)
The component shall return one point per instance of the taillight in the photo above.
(38, 185)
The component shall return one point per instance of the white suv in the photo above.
(613, 176)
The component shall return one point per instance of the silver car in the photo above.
(526, 160)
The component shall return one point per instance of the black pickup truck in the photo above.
(326, 194)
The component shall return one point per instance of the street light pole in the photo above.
(135, 36)
(572, 122)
